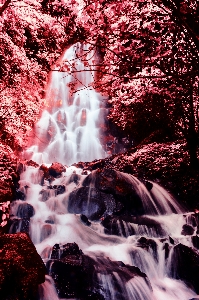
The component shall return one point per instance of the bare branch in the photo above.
(4, 6)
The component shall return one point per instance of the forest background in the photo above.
(148, 67)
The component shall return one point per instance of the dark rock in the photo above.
(70, 249)
(116, 226)
(195, 241)
(80, 165)
(20, 167)
(148, 225)
(90, 202)
(191, 220)
(56, 169)
(45, 172)
(46, 230)
(122, 187)
(129, 169)
(149, 245)
(74, 178)
(32, 163)
(49, 222)
(25, 210)
(85, 220)
(68, 274)
(45, 195)
(52, 191)
(22, 269)
(185, 266)
(19, 195)
(197, 231)
(84, 172)
(112, 270)
(149, 185)
(171, 240)
(79, 276)
(55, 252)
(166, 249)
(123, 226)
(60, 189)
(19, 225)
(109, 181)
(187, 230)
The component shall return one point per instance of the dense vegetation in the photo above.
(149, 66)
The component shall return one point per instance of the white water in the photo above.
(69, 128)
(68, 132)
(68, 228)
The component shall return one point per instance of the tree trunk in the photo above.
(192, 144)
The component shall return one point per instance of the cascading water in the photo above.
(118, 222)
(69, 129)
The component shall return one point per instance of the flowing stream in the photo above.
(68, 132)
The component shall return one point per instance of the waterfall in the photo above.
(69, 128)
(105, 222)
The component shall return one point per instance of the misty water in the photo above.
(68, 132)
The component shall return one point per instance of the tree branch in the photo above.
(4, 6)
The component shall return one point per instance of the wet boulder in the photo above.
(45, 194)
(185, 266)
(52, 191)
(191, 219)
(56, 169)
(187, 230)
(109, 181)
(85, 220)
(114, 225)
(74, 178)
(90, 202)
(149, 245)
(125, 225)
(195, 241)
(71, 274)
(19, 195)
(108, 272)
(25, 210)
(149, 226)
(46, 231)
(22, 269)
(79, 276)
(122, 186)
(18, 225)
(59, 189)
(44, 171)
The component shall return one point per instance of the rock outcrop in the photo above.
(21, 268)
(79, 276)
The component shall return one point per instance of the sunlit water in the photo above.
(69, 128)
(68, 132)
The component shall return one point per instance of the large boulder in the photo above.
(18, 225)
(21, 268)
(56, 169)
(128, 225)
(109, 181)
(185, 266)
(79, 276)
(71, 273)
(20, 214)
(90, 202)
(124, 188)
